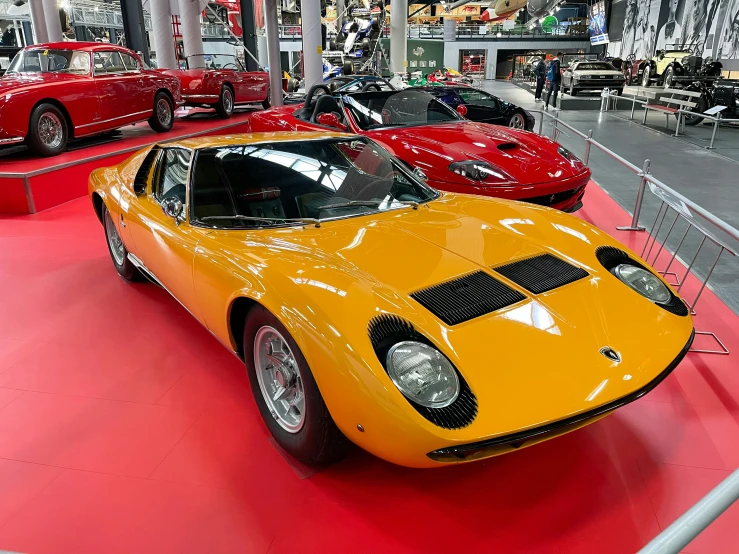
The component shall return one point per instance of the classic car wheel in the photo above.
(163, 118)
(646, 76)
(47, 131)
(701, 105)
(225, 106)
(266, 103)
(517, 121)
(286, 393)
(573, 91)
(118, 251)
(669, 74)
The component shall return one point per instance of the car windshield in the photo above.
(39, 60)
(400, 108)
(595, 66)
(299, 182)
(358, 84)
(222, 61)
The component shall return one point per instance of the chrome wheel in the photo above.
(228, 100)
(50, 130)
(114, 240)
(164, 112)
(517, 121)
(645, 76)
(279, 379)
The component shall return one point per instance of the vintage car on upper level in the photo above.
(591, 75)
(449, 151)
(223, 84)
(678, 64)
(428, 328)
(59, 91)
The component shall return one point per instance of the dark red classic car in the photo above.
(223, 84)
(448, 151)
(58, 91)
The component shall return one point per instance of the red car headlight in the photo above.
(570, 157)
(477, 170)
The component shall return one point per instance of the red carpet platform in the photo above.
(125, 427)
(30, 185)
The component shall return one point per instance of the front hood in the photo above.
(18, 82)
(606, 72)
(526, 157)
(531, 362)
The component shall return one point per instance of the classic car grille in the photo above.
(551, 199)
(541, 273)
(609, 257)
(386, 330)
(467, 297)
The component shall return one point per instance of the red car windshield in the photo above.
(399, 108)
(40, 60)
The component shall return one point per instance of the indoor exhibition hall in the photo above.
(501, 316)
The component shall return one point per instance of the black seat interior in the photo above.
(326, 104)
(316, 91)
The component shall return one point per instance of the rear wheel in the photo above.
(117, 249)
(286, 392)
(266, 102)
(701, 105)
(47, 131)
(646, 76)
(517, 121)
(225, 106)
(669, 74)
(348, 68)
(163, 117)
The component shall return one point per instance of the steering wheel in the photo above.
(371, 86)
(230, 66)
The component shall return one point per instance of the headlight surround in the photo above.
(570, 157)
(423, 374)
(643, 282)
(482, 171)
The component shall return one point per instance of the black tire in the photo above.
(319, 441)
(517, 121)
(573, 90)
(47, 131)
(124, 267)
(226, 102)
(348, 68)
(669, 74)
(266, 104)
(701, 105)
(646, 76)
(365, 46)
(627, 77)
(161, 121)
(293, 85)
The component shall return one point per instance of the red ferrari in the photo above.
(448, 151)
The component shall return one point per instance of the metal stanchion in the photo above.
(586, 156)
(633, 106)
(555, 130)
(541, 123)
(715, 131)
(639, 199)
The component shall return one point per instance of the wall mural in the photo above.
(708, 27)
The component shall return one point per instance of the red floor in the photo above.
(124, 427)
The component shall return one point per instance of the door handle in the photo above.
(123, 223)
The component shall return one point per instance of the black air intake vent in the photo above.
(507, 146)
(542, 273)
(467, 297)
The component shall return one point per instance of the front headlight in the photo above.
(643, 282)
(480, 171)
(423, 374)
(570, 157)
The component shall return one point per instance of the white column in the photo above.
(192, 38)
(398, 35)
(38, 22)
(262, 50)
(161, 23)
(53, 23)
(312, 61)
(272, 28)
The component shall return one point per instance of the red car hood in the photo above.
(528, 158)
(15, 82)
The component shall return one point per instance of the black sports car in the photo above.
(478, 105)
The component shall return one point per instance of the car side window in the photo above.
(129, 62)
(108, 62)
(479, 97)
(170, 179)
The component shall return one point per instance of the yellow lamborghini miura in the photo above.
(427, 328)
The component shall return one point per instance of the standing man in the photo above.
(554, 75)
(540, 71)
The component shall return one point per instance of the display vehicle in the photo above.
(428, 328)
(223, 84)
(483, 107)
(345, 83)
(714, 93)
(454, 154)
(591, 75)
(55, 92)
(668, 66)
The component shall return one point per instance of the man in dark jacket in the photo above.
(540, 71)
(555, 79)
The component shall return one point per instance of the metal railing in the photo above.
(687, 215)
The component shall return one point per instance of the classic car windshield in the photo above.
(222, 61)
(289, 183)
(595, 66)
(39, 60)
(399, 108)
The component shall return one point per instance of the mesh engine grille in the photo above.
(467, 297)
(542, 273)
(386, 330)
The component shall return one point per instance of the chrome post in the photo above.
(639, 200)
(664, 242)
(588, 140)
(716, 122)
(541, 122)
(633, 106)
(705, 281)
(652, 233)
(687, 272)
(679, 117)
(674, 255)
(555, 130)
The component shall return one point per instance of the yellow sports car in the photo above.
(428, 328)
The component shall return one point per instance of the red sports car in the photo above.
(450, 152)
(222, 85)
(53, 92)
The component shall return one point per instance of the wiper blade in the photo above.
(369, 203)
(271, 220)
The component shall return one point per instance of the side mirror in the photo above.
(462, 110)
(172, 207)
(330, 120)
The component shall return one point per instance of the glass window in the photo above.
(286, 181)
(171, 177)
(50, 61)
(594, 66)
(108, 62)
(400, 108)
(472, 96)
(129, 62)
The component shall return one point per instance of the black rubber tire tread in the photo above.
(319, 442)
(33, 142)
(220, 108)
(266, 104)
(127, 270)
(154, 122)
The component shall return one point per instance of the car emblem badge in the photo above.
(611, 354)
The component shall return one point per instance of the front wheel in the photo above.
(646, 76)
(573, 91)
(117, 249)
(266, 102)
(225, 106)
(348, 68)
(47, 131)
(669, 74)
(163, 117)
(701, 105)
(517, 121)
(286, 392)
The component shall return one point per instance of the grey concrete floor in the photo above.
(709, 178)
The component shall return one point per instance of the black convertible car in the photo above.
(478, 105)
